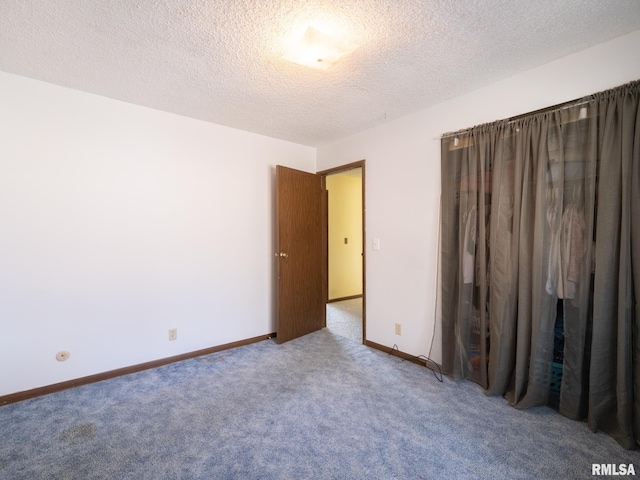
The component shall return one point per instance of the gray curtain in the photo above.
(540, 259)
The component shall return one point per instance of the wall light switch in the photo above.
(376, 244)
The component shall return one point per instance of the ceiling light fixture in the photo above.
(317, 49)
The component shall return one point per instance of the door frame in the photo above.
(325, 227)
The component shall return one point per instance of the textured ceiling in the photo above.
(220, 60)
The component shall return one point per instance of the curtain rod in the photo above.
(557, 107)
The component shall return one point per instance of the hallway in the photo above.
(344, 318)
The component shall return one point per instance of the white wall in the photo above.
(403, 181)
(118, 222)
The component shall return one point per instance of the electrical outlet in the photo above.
(173, 334)
(398, 329)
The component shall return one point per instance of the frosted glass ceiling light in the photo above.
(316, 49)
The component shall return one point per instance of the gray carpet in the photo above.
(319, 407)
(344, 318)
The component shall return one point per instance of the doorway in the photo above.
(345, 246)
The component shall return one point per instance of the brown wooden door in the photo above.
(300, 255)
